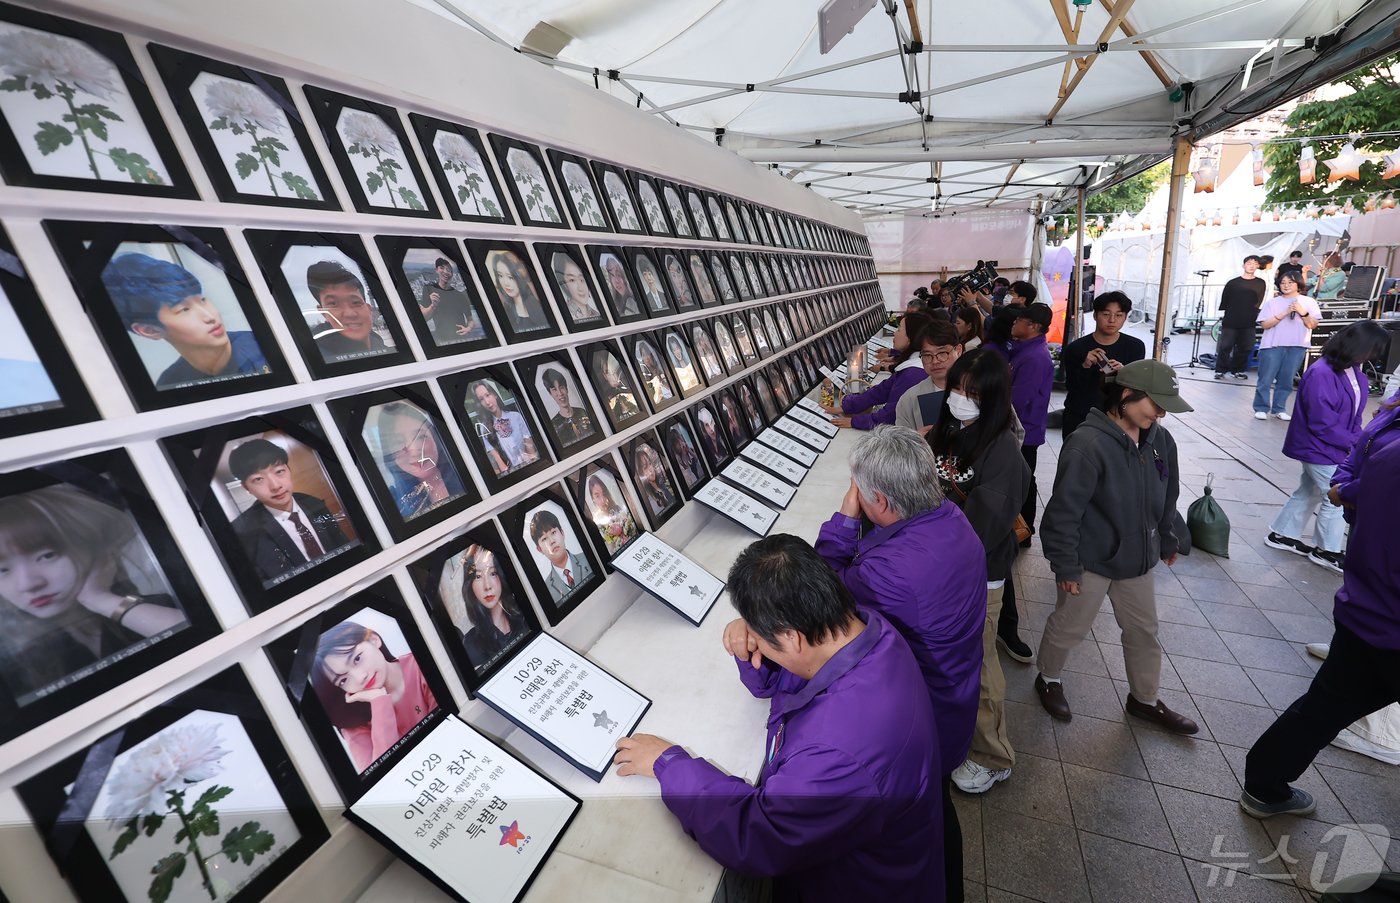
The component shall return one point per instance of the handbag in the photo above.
(1021, 528)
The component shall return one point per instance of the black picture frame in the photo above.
(611, 531)
(654, 376)
(627, 215)
(741, 280)
(619, 288)
(313, 682)
(265, 561)
(715, 209)
(498, 263)
(680, 357)
(759, 333)
(724, 282)
(458, 307)
(405, 500)
(568, 436)
(652, 291)
(785, 326)
(760, 288)
(222, 709)
(699, 216)
(258, 109)
(111, 271)
(557, 600)
(327, 350)
(580, 190)
(753, 414)
(450, 147)
(444, 577)
(744, 339)
(507, 453)
(767, 400)
(684, 294)
(614, 384)
(673, 201)
(683, 453)
(732, 420)
(87, 507)
(650, 205)
(731, 215)
(702, 278)
(652, 478)
(705, 353)
(710, 432)
(729, 354)
(41, 387)
(131, 171)
(579, 299)
(526, 175)
(355, 127)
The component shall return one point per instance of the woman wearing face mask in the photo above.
(1108, 523)
(979, 465)
(863, 410)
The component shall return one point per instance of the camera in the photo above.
(978, 279)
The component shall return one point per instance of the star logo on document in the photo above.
(695, 591)
(512, 835)
(601, 719)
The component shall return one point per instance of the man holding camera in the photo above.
(1087, 359)
(1239, 307)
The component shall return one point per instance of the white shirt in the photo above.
(284, 520)
(1356, 392)
(563, 579)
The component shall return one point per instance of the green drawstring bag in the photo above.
(1210, 528)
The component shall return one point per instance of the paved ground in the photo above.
(1106, 808)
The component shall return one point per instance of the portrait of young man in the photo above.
(567, 569)
(341, 302)
(448, 308)
(570, 422)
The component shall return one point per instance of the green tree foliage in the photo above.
(1128, 196)
(1373, 106)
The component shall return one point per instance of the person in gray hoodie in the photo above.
(1109, 521)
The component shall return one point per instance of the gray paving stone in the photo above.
(1237, 619)
(1217, 679)
(1235, 723)
(1103, 745)
(1187, 763)
(1125, 871)
(1117, 806)
(1254, 652)
(1040, 859)
(1036, 789)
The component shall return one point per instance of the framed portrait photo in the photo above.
(676, 209)
(364, 684)
(76, 114)
(743, 338)
(723, 281)
(370, 147)
(569, 419)
(329, 294)
(654, 374)
(39, 386)
(673, 264)
(648, 197)
(620, 289)
(732, 420)
(731, 216)
(116, 816)
(551, 547)
(683, 451)
(275, 501)
(705, 289)
(714, 443)
(502, 434)
(622, 205)
(476, 600)
(750, 224)
(724, 341)
(651, 284)
(438, 294)
(652, 477)
(173, 308)
(712, 207)
(695, 206)
(580, 299)
(613, 383)
(707, 361)
(600, 494)
(683, 365)
(508, 277)
(95, 589)
(784, 326)
(759, 331)
(458, 160)
(580, 191)
(749, 408)
(246, 129)
(741, 282)
(761, 289)
(405, 456)
(536, 201)
(767, 401)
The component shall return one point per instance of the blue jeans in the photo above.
(1312, 489)
(1277, 367)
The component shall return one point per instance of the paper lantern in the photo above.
(1257, 156)
(1348, 208)
(1345, 165)
(1392, 165)
(1330, 210)
(1388, 202)
(1235, 219)
(1256, 214)
(1205, 176)
(1370, 204)
(1307, 166)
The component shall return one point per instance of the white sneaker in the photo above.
(1260, 415)
(1319, 650)
(1284, 416)
(973, 778)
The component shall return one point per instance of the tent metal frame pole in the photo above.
(1181, 163)
(1072, 313)
(1009, 153)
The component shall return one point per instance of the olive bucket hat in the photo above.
(1157, 380)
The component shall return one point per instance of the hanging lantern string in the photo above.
(1302, 139)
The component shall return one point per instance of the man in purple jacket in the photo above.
(1032, 378)
(846, 805)
(921, 565)
(1361, 673)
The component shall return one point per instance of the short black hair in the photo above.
(543, 521)
(1355, 342)
(1254, 257)
(324, 273)
(780, 583)
(1002, 281)
(940, 331)
(552, 378)
(442, 262)
(253, 455)
(1101, 302)
(1025, 290)
(1295, 254)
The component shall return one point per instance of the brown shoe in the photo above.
(1159, 713)
(1052, 696)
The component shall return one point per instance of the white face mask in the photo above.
(962, 407)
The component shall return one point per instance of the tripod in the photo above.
(1197, 323)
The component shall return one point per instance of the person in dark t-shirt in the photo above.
(450, 309)
(1239, 307)
(1085, 359)
(1293, 268)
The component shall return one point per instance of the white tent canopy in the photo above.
(979, 105)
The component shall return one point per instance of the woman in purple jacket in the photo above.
(1326, 423)
(906, 372)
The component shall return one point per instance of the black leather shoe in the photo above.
(1015, 647)
(1052, 696)
(1161, 715)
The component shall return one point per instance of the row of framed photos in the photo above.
(248, 131)
(99, 591)
(182, 323)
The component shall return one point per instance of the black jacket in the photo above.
(271, 550)
(996, 489)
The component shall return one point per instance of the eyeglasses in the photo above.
(936, 357)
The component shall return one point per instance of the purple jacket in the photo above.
(1368, 604)
(1326, 418)
(928, 576)
(885, 392)
(1376, 436)
(1032, 377)
(848, 805)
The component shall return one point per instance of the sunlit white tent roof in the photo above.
(1000, 102)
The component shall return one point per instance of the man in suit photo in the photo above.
(567, 570)
(284, 529)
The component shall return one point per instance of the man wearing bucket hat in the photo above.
(1108, 523)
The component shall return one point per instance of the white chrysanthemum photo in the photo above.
(455, 150)
(368, 130)
(243, 103)
(51, 60)
(175, 758)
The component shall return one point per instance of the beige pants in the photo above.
(991, 748)
(1135, 608)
